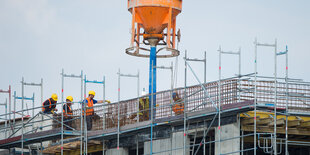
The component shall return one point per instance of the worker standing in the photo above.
(89, 106)
(67, 112)
(49, 106)
(178, 106)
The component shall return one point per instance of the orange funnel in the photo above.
(154, 16)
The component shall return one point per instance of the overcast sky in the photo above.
(40, 37)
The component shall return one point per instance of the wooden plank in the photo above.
(281, 130)
(263, 121)
(293, 123)
(305, 124)
(280, 122)
(248, 120)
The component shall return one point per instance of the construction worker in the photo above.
(143, 110)
(49, 106)
(88, 104)
(67, 112)
(178, 106)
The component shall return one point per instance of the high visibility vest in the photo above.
(89, 108)
(145, 105)
(43, 106)
(69, 111)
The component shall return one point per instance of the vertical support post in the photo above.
(10, 110)
(275, 98)
(219, 102)
(14, 109)
(138, 103)
(152, 111)
(62, 117)
(103, 113)
(286, 106)
(152, 76)
(41, 90)
(32, 110)
(118, 109)
(22, 147)
(205, 68)
(255, 94)
(6, 119)
(185, 105)
(171, 100)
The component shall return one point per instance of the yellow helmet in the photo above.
(91, 93)
(54, 97)
(70, 98)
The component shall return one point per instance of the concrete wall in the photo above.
(165, 144)
(114, 151)
(228, 131)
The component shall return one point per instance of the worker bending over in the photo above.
(67, 112)
(178, 105)
(88, 104)
(49, 106)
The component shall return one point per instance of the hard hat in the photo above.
(174, 94)
(70, 98)
(91, 93)
(54, 97)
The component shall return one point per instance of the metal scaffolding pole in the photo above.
(185, 103)
(103, 83)
(22, 145)
(36, 85)
(275, 91)
(286, 95)
(5, 104)
(219, 85)
(219, 103)
(119, 86)
(9, 92)
(63, 76)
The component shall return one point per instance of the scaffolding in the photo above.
(266, 108)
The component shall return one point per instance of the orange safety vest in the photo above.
(43, 107)
(69, 111)
(89, 108)
(177, 108)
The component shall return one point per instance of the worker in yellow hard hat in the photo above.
(88, 104)
(67, 112)
(49, 106)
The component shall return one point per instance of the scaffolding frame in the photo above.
(63, 76)
(9, 92)
(103, 83)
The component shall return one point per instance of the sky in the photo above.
(39, 38)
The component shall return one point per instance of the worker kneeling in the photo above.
(178, 106)
(88, 104)
(67, 113)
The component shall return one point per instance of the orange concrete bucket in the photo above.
(154, 16)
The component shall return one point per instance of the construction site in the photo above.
(245, 114)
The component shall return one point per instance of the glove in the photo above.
(52, 111)
(108, 101)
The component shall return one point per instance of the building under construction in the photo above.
(246, 114)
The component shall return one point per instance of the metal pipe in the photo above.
(22, 147)
(219, 102)
(185, 103)
(286, 106)
(62, 117)
(255, 93)
(152, 109)
(275, 98)
(205, 68)
(118, 109)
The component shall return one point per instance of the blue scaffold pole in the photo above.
(152, 83)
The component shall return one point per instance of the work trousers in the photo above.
(89, 121)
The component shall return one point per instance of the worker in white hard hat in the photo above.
(67, 112)
(49, 106)
(89, 106)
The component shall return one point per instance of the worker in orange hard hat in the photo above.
(178, 106)
(49, 106)
(67, 112)
(88, 104)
